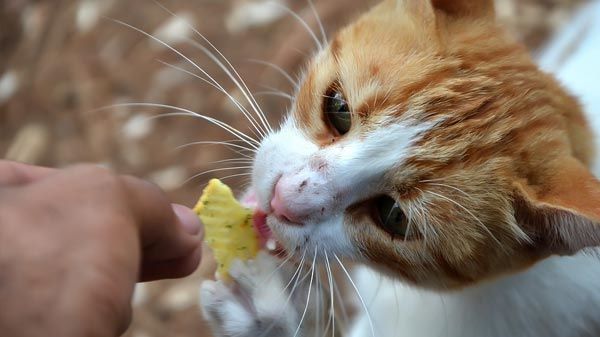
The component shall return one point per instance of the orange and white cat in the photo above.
(425, 144)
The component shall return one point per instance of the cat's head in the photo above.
(424, 142)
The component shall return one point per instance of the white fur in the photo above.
(335, 177)
(559, 297)
(260, 302)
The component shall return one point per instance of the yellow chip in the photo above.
(228, 226)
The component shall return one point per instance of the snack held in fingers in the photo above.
(228, 226)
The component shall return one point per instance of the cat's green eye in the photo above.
(337, 112)
(391, 217)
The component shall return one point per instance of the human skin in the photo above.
(74, 242)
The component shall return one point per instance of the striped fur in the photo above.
(485, 182)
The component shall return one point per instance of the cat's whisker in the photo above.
(232, 161)
(271, 88)
(268, 278)
(235, 176)
(482, 225)
(240, 84)
(362, 301)
(181, 112)
(302, 22)
(298, 270)
(345, 317)
(233, 131)
(296, 279)
(319, 21)
(176, 51)
(318, 303)
(442, 179)
(237, 79)
(275, 93)
(325, 297)
(278, 69)
(312, 274)
(182, 56)
(246, 139)
(433, 180)
(418, 210)
(423, 208)
(246, 183)
(228, 144)
(213, 83)
(409, 218)
(447, 186)
(216, 170)
(332, 300)
(242, 154)
(185, 112)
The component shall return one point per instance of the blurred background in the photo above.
(62, 61)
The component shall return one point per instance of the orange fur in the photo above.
(501, 181)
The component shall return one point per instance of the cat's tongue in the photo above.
(260, 225)
(265, 235)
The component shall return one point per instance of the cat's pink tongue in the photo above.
(260, 225)
(265, 235)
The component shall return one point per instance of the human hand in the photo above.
(74, 242)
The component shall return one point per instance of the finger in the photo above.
(164, 235)
(14, 174)
(171, 269)
(166, 231)
(188, 220)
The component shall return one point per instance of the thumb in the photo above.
(14, 174)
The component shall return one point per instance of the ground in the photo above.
(65, 64)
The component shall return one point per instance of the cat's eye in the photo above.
(337, 112)
(391, 217)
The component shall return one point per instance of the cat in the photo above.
(425, 145)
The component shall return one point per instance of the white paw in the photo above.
(256, 304)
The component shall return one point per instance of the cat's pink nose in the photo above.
(281, 208)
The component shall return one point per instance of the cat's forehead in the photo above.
(375, 62)
(381, 30)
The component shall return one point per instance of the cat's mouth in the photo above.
(265, 235)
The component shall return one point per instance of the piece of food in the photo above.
(228, 226)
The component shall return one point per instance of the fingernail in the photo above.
(188, 219)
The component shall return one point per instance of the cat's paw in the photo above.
(256, 304)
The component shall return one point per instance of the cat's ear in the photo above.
(560, 208)
(465, 8)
